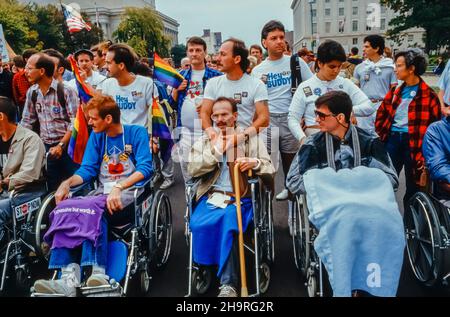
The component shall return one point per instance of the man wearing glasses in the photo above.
(333, 116)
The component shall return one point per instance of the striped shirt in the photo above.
(54, 121)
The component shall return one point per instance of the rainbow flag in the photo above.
(80, 134)
(165, 73)
(160, 129)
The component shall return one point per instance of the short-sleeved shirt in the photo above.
(401, 114)
(444, 83)
(134, 100)
(96, 79)
(277, 77)
(246, 91)
(189, 113)
(375, 86)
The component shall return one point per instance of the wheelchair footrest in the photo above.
(112, 290)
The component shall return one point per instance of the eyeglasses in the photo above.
(29, 68)
(322, 116)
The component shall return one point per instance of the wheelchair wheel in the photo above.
(160, 229)
(201, 280)
(423, 239)
(42, 224)
(301, 236)
(264, 278)
(267, 224)
(23, 279)
(144, 279)
(312, 285)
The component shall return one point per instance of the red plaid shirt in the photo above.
(423, 110)
(20, 87)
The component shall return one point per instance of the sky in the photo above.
(243, 19)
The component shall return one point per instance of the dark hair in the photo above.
(195, 40)
(288, 47)
(231, 101)
(7, 107)
(28, 53)
(142, 69)
(44, 61)
(330, 51)
(376, 41)
(256, 47)
(105, 105)
(338, 102)
(239, 49)
(271, 26)
(354, 50)
(54, 53)
(84, 52)
(123, 54)
(414, 57)
(18, 61)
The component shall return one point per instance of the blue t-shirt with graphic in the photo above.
(401, 115)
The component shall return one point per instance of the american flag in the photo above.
(75, 22)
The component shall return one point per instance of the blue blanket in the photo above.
(213, 230)
(361, 239)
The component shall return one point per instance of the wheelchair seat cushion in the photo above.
(361, 240)
(76, 220)
(213, 230)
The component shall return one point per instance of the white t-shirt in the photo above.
(303, 102)
(96, 79)
(189, 115)
(134, 100)
(246, 91)
(277, 77)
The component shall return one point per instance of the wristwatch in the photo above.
(119, 186)
(62, 145)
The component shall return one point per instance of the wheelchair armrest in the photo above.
(143, 184)
(77, 189)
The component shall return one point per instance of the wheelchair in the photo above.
(427, 230)
(306, 259)
(259, 240)
(137, 247)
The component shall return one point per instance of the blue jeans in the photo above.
(231, 268)
(90, 255)
(60, 169)
(397, 146)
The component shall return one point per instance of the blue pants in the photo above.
(60, 169)
(230, 270)
(397, 146)
(90, 255)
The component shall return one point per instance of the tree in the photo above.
(142, 29)
(178, 52)
(432, 15)
(15, 20)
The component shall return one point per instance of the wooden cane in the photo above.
(237, 173)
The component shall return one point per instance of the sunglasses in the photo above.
(322, 116)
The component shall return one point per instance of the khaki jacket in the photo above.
(205, 161)
(25, 162)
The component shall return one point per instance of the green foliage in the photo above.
(142, 29)
(178, 52)
(431, 15)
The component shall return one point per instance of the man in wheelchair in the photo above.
(119, 156)
(214, 221)
(23, 169)
(436, 150)
(342, 170)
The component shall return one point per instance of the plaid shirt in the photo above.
(53, 120)
(423, 110)
(20, 87)
(187, 74)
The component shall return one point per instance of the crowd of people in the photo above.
(236, 106)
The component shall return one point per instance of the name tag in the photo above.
(107, 187)
(219, 200)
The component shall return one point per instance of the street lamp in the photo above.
(312, 24)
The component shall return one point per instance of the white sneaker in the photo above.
(70, 280)
(167, 183)
(283, 195)
(97, 279)
(227, 291)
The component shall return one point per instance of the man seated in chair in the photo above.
(119, 156)
(342, 169)
(22, 171)
(214, 221)
(436, 150)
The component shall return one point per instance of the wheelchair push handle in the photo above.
(237, 174)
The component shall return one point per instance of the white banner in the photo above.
(3, 50)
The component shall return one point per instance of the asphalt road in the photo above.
(172, 281)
